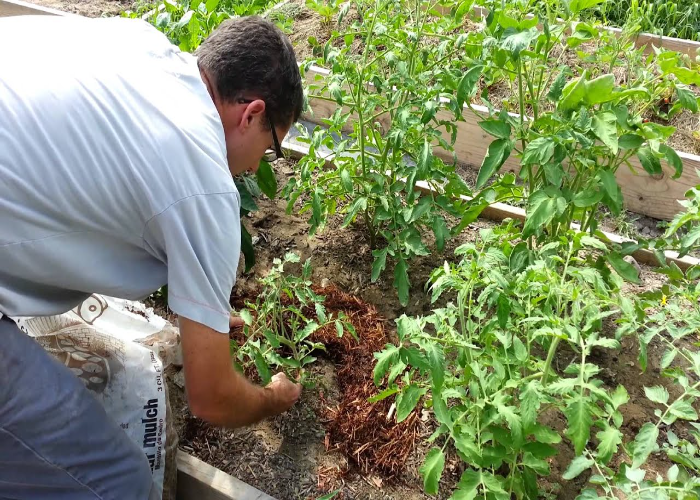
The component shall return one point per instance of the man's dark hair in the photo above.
(250, 57)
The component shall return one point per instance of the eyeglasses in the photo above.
(270, 154)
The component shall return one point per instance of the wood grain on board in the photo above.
(197, 480)
(652, 196)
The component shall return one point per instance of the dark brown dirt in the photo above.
(88, 8)
(309, 448)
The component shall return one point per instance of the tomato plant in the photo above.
(280, 323)
(402, 100)
(484, 365)
(584, 125)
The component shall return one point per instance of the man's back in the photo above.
(125, 137)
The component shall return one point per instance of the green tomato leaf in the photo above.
(436, 359)
(520, 257)
(406, 401)
(544, 434)
(612, 190)
(555, 91)
(668, 358)
(503, 310)
(600, 89)
(247, 248)
(591, 242)
(424, 159)
(432, 470)
(540, 212)
(467, 84)
(537, 464)
(576, 467)
(529, 403)
(516, 43)
(587, 198)
(608, 441)
(624, 269)
(384, 360)
(329, 496)
(383, 395)
(687, 99)
(657, 394)
(539, 151)
(673, 159)
(246, 317)
(441, 231)
(498, 153)
(682, 408)
(605, 128)
(247, 202)
(266, 179)
(540, 450)
(579, 419)
(379, 262)
(262, 368)
(346, 180)
(467, 489)
(401, 281)
(630, 141)
(644, 444)
(514, 421)
(649, 161)
(572, 95)
(577, 6)
(497, 128)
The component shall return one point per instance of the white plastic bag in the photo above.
(98, 342)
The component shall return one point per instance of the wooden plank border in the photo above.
(197, 480)
(654, 196)
(498, 212)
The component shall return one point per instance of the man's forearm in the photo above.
(216, 392)
(235, 402)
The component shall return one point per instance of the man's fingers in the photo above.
(235, 322)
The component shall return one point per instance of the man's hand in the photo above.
(284, 392)
(216, 392)
(235, 322)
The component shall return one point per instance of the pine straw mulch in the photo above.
(364, 432)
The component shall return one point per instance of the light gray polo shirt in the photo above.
(113, 171)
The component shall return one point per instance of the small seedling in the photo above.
(280, 324)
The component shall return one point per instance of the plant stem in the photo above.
(550, 357)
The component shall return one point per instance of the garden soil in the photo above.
(88, 8)
(313, 449)
(306, 453)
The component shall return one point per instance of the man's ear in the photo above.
(253, 114)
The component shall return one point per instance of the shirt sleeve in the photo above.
(199, 238)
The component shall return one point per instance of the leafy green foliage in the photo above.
(279, 325)
(677, 18)
(403, 100)
(585, 125)
(683, 233)
(485, 362)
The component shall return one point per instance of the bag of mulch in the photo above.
(109, 344)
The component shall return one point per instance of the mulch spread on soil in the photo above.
(364, 432)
